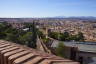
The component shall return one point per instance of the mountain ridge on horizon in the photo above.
(55, 17)
(85, 18)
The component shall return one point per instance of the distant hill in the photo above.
(89, 18)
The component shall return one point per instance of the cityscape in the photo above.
(48, 32)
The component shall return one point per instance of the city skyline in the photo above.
(47, 8)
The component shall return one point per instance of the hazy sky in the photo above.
(47, 8)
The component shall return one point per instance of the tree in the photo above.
(11, 30)
(11, 37)
(4, 26)
(60, 50)
(80, 36)
(64, 36)
(33, 29)
(54, 35)
(46, 40)
(40, 34)
(73, 37)
(2, 35)
(7, 32)
(26, 38)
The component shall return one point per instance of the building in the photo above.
(84, 52)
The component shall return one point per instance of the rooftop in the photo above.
(82, 46)
(12, 53)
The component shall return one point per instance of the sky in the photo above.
(47, 8)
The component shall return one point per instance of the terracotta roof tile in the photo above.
(11, 53)
(23, 58)
(34, 60)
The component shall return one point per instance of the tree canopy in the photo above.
(66, 36)
(7, 32)
(60, 49)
